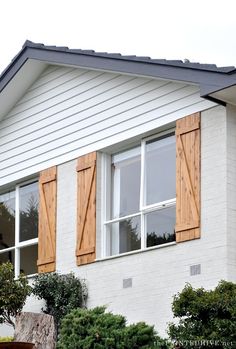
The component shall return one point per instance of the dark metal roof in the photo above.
(209, 77)
(118, 56)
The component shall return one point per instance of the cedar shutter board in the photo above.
(188, 178)
(47, 220)
(86, 209)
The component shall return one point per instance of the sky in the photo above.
(202, 31)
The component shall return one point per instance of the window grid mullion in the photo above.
(119, 219)
(7, 249)
(17, 231)
(142, 177)
(29, 242)
(105, 202)
(143, 231)
(142, 195)
(159, 205)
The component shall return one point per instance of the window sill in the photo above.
(31, 276)
(136, 252)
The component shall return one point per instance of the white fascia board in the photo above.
(228, 95)
(18, 85)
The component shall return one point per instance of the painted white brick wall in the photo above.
(160, 273)
(231, 192)
(66, 217)
(156, 274)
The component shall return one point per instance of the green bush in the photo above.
(6, 339)
(13, 293)
(61, 293)
(207, 316)
(95, 329)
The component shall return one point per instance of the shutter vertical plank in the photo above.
(188, 178)
(47, 220)
(86, 210)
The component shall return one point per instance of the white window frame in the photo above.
(19, 244)
(143, 209)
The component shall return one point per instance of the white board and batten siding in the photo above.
(69, 112)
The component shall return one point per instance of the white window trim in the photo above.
(143, 209)
(120, 255)
(19, 244)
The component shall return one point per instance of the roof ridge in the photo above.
(167, 62)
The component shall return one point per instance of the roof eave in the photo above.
(208, 81)
(226, 94)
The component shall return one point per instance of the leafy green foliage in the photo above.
(61, 293)
(13, 293)
(6, 339)
(95, 329)
(205, 315)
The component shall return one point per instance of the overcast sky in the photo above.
(201, 31)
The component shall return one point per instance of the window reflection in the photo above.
(29, 212)
(7, 257)
(7, 220)
(14, 247)
(160, 226)
(160, 170)
(125, 235)
(28, 258)
(126, 183)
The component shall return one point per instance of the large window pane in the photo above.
(7, 220)
(28, 259)
(160, 170)
(125, 236)
(7, 257)
(160, 226)
(29, 212)
(126, 183)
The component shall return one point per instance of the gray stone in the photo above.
(36, 328)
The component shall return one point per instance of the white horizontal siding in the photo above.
(69, 112)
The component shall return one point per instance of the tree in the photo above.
(13, 293)
(153, 239)
(61, 293)
(129, 236)
(206, 318)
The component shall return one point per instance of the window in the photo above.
(19, 228)
(140, 207)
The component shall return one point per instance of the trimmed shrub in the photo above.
(95, 329)
(139, 335)
(61, 293)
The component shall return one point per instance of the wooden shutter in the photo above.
(188, 178)
(86, 210)
(47, 221)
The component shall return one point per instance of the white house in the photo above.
(133, 164)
